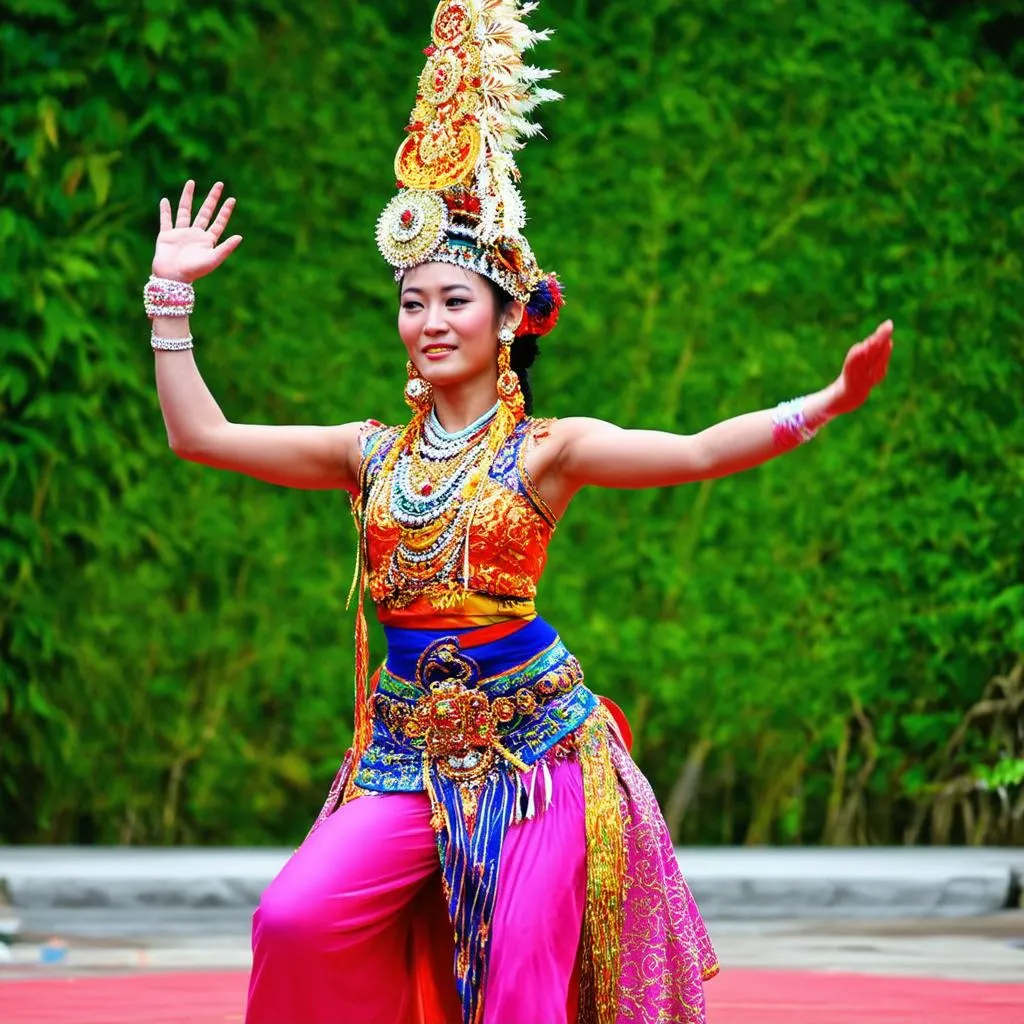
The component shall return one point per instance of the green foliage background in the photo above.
(826, 649)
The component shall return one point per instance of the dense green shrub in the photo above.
(732, 193)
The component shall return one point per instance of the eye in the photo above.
(461, 302)
(410, 305)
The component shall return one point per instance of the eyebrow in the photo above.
(446, 288)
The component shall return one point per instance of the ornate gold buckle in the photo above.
(458, 723)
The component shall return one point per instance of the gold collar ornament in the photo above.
(458, 201)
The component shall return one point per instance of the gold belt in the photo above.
(458, 723)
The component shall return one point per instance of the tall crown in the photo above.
(458, 201)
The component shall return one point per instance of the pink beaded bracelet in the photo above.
(165, 297)
(790, 427)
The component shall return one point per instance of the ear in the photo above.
(514, 313)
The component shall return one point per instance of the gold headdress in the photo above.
(459, 202)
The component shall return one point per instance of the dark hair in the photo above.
(525, 348)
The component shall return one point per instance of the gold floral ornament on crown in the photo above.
(444, 134)
(459, 202)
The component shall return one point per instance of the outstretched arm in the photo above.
(310, 457)
(293, 456)
(595, 452)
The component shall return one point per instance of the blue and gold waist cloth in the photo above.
(463, 709)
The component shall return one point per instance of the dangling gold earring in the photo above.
(509, 390)
(419, 393)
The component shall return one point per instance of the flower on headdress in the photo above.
(544, 307)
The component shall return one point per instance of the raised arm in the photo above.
(588, 451)
(292, 456)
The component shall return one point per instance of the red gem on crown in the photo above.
(406, 218)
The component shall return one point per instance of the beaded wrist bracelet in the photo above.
(171, 344)
(789, 425)
(164, 297)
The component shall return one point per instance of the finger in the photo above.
(861, 353)
(185, 205)
(878, 370)
(222, 218)
(873, 360)
(225, 249)
(874, 364)
(881, 331)
(883, 350)
(886, 359)
(876, 344)
(881, 365)
(209, 205)
(165, 215)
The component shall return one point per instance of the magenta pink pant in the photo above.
(342, 935)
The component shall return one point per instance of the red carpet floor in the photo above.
(738, 997)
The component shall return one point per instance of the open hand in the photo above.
(188, 249)
(866, 365)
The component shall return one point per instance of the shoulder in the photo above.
(557, 463)
(373, 435)
(529, 433)
(376, 439)
(562, 433)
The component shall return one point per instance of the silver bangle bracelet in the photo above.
(171, 344)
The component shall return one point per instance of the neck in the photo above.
(459, 405)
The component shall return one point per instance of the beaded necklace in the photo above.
(436, 465)
(432, 490)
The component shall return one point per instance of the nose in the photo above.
(436, 324)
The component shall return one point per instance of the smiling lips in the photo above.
(438, 350)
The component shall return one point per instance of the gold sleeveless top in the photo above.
(490, 573)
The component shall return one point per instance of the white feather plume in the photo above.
(509, 93)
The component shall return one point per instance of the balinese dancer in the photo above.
(489, 852)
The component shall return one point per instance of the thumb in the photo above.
(225, 249)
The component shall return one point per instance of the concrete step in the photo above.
(77, 890)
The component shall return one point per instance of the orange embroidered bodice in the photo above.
(509, 531)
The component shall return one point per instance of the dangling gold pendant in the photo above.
(419, 394)
(510, 392)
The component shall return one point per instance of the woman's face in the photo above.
(449, 323)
